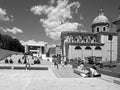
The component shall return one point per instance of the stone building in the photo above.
(58, 51)
(100, 43)
(55, 50)
(117, 22)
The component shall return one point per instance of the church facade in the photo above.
(100, 43)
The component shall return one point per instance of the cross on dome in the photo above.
(101, 18)
(101, 12)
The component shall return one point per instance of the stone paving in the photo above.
(65, 72)
(48, 80)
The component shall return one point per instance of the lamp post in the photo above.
(110, 37)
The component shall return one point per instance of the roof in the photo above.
(101, 18)
(74, 33)
(116, 22)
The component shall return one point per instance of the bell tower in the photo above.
(100, 23)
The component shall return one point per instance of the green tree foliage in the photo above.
(9, 43)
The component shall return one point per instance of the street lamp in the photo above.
(110, 37)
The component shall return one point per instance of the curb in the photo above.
(57, 75)
(116, 82)
(111, 80)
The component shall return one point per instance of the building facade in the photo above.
(100, 43)
(38, 49)
(55, 50)
(117, 22)
(58, 51)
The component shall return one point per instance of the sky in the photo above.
(44, 20)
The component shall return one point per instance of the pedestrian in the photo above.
(66, 63)
(55, 60)
(27, 66)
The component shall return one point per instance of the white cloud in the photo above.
(3, 15)
(32, 42)
(14, 30)
(83, 31)
(58, 17)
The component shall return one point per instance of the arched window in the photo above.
(76, 39)
(104, 29)
(77, 47)
(88, 48)
(97, 29)
(85, 40)
(98, 48)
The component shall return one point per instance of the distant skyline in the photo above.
(44, 20)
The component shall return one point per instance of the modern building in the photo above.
(117, 22)
(36, 48)
(100, 43)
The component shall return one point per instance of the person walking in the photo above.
(27, 66)
(55, 60)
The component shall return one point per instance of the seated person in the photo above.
(19, 61)
(81, 66)
(94, 73)
(94, 66)
(83, 71)
(11, 61)
(6, 60)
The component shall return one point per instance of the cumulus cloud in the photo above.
(3, 15)
(14, 30)
(58, 18)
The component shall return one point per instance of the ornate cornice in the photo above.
(68, 33)
(100, 24)
(87, 44)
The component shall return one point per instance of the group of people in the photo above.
(56, 62)
(88, 71)
(28, 59)
(25, 59)
(9, 60)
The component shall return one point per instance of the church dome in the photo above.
(101, 18)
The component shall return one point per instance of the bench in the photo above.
(83, 73)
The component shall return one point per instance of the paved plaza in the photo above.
(52, 79)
